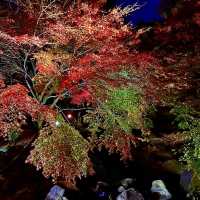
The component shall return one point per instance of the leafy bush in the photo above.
(188, 121)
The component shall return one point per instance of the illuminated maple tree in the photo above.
(81, 58)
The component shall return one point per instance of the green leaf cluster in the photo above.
(184, 116)
(121, 110)
(13, 135)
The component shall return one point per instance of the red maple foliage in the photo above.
(14, 100)
(119, 143)
(81, 97)
(177, 47)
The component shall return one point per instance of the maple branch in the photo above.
(26, 74)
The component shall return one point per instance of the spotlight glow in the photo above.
(57, 123)
(69, 116)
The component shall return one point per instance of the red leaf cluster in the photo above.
(15, 99)
(83, 96)
(119, 143)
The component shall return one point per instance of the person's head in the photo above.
(158, 184)
(133, 195)
(159, 187)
